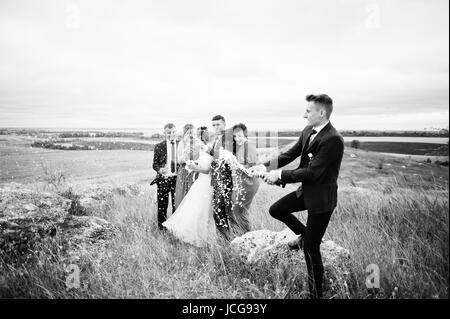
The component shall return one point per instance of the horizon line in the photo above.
(157, 128)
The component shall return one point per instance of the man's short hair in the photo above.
(169, 126)
(218, 117)
(324, 100)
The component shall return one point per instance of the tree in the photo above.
(355, 144)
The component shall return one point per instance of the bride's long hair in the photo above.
(188, 127)
(187, 147)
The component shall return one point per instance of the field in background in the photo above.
(431, 143)
(393, 212)
(22, 163)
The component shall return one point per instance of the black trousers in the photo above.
(165, 186)
(312, 233)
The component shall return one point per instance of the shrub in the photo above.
(55, 178)
(380, 164)
(355, 144)
(75, 206)
(443, 163)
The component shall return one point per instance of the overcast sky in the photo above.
(144, 63)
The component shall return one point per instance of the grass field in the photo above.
(392, 211)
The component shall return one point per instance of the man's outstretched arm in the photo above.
(286, 157)
(331, 150)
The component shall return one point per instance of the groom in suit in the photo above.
(165, 163)
(320, 148)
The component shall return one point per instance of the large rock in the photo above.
(87, 234)
(29, 218)
(96, 198)
(265, 248)
(265, 244)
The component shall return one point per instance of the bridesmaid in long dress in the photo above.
(244, 187)
(188, 149)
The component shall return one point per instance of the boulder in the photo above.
(265, 248)
(265, 244)
(87, 234)
(29, 218)
(96, 198)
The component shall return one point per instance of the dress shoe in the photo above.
(296, 244)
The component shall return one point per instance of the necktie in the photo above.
(173, 157)
(309, 137)
(215, 141)
(303, 156)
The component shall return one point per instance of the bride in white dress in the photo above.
(193, 221)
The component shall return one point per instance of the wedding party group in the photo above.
(211, 184)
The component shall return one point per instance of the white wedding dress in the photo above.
(193, 221)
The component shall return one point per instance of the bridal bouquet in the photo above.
(221, 180)
(237, 170)
(226, 157)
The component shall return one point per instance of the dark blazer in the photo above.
(160, 159)
(318, 175)
(226, 142)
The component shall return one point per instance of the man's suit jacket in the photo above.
(226, 141)
(160, 159)
(221, 177)
(319, 174)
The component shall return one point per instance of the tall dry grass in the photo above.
(401, 228)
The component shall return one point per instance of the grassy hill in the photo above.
(392, 212)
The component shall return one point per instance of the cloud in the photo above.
(146, 63)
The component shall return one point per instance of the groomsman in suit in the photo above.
(165, 163)
(321, 149)
(221, 178)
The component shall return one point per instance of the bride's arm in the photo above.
(200, 167)
(203, 167)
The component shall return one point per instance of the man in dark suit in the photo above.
(321, 149)
(165, 163)
(221, 177)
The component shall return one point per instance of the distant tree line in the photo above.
(85, 145)
(99, 134)
(440, 133)
(26, 132)
(56, 146)
(70, 134)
